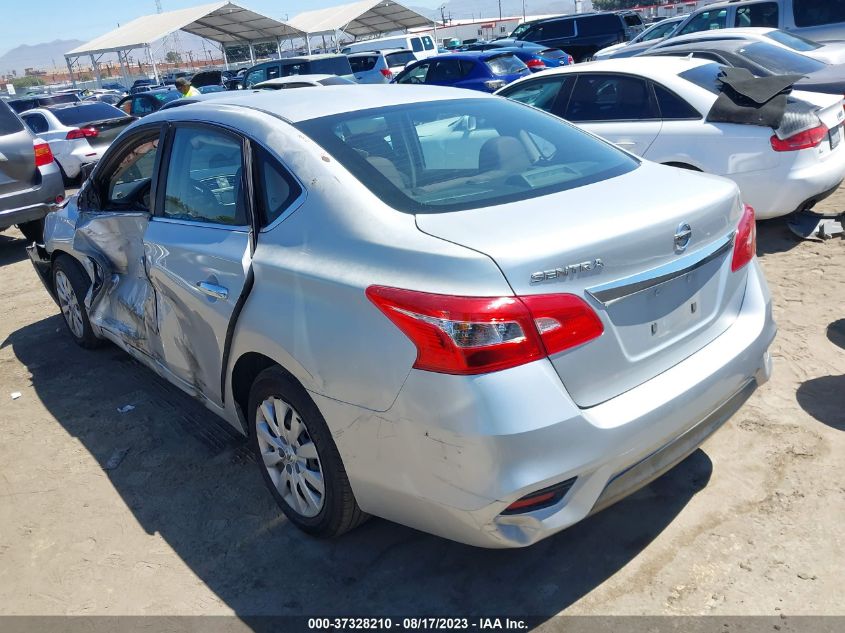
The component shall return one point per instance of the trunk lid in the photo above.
(659, 303)
(17, 154)
(108, 130)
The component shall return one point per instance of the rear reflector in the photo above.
(535, 64)
(803, 140)
(540, 499)
(476, 335)
(745, 245)
(85, 132)
(43, 155)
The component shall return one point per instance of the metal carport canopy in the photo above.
(222, 22)
(368, 17)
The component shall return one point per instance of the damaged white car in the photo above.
(440, 307)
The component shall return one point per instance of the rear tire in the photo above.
(71, 284)
(298, 458)
(33, 231)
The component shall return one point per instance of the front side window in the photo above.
(762, 14)
(818, 12)
(134, 172)
(445, 71)
(557, 29)
(414, 76)
(706, 21)
(272, 72)
(610, 98)
(544, 94)
(599, 25)
(658, 32)
(204, 178)
(464, 154)
(255, 77)
(416, 44)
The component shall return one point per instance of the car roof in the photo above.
(292, 79)
(730, 44)
(645, 66)
(494, 52)
(379, 50)
(746, 33)
(303, 105)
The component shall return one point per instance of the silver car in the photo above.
(443, 308)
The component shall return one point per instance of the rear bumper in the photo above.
(32, 203)
(774, 194)
(454, 451)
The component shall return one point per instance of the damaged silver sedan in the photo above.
(443, 308)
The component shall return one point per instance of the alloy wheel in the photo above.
(69, 304)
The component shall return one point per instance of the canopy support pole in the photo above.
(153, 62)
(308, 42)
(124, 71)
(96, 68)
(323, 37)
(279, 46)
(251, 55)
(70, 70)
(225, 56)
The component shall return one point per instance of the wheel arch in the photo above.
(244, 372)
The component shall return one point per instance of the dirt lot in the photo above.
(751, 524)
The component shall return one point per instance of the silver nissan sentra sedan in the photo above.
(436, 306)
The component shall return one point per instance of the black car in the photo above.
(764, 60)
(581, 34)
(39, 101)
(144, 103)
(304, 65)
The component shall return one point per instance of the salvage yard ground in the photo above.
(159, 510)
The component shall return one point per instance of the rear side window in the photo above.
(610, 98)
(599, 25)
(545, 94)
(416, 44)
(332, 66)
(448, 70)
(9, 122)
(278, 188)
(505, 65)
(37, 123)
(87, 113)
(427, 43)
(762, 14)
(363, 64)
(553, 30)
(633, 20)
(272, 72)
(818, 12)
(706, 21)
(399, 59)
(672, 106)
(204, 178)
(463, 154)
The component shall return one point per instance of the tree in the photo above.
(173, 57)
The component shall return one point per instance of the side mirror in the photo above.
(86, 170)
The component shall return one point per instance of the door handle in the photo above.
(213, 290)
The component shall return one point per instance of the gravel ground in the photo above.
(750, 524)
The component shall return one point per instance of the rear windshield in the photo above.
(9, 122)
(336, 81)
(506, 65)
(399, 59)
(818, 12)
(779, 60)
(87, 113)
(363, 63)
(331, 66)
(463, 154)
(795, 42)
(706, 77)
(552, 53)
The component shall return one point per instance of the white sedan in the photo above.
(657, 108)
(78, 133)
(827, 52)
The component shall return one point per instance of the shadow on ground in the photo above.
(187, 478)
(822, 398)
(836, 333)
(774, 236)
(12, 249)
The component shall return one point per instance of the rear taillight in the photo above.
(43, 155)
(535, 64)
(803, 140)
(570, 59)
(387, 73)
(494, 84)
(745, 244)
(476, 335)
(84, 132)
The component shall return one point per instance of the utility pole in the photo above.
(500, 9)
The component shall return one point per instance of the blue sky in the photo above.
(39, 21)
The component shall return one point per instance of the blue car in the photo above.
(535, 56)
(476, 70)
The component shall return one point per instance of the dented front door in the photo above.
(197, 252)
